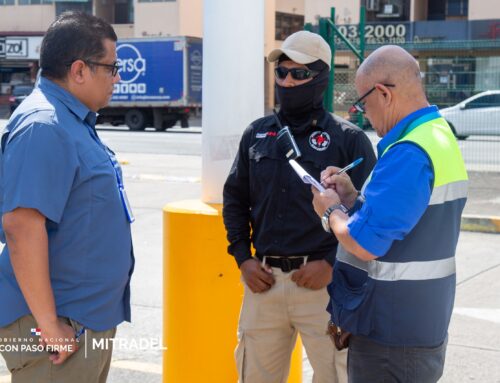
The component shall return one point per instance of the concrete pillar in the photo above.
(233, 84)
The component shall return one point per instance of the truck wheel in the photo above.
(184, 122)
(168, 123)
(135, 119)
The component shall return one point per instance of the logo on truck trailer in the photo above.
(132, 67)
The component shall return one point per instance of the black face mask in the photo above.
(300, 105)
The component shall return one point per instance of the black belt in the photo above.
(286, 264)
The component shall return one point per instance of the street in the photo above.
(162, 167)
(480, 152)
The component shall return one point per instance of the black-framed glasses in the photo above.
(113, 68)
(359, 106)
(297, 73)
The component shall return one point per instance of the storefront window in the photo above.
(156, 1)
(124, 12)
(487, 73)
(63, 6)
(450, 80)
(457, 8)
(7, 2)
(35, 2)
(287, 23)
(441, 9)
(387, 10)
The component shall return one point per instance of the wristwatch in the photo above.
(325, 219)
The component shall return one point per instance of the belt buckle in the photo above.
(285, 264)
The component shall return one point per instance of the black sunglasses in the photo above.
(358, 106)
(297, 73)
(113, 68)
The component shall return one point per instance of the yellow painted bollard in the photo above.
(202, 295)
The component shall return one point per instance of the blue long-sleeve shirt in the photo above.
(398, 192)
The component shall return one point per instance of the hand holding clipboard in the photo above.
(308, 179)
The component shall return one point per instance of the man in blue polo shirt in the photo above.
(65, 271)
(394, 278)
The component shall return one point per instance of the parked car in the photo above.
(18, 94)
(477, 115)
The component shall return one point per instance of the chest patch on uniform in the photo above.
(319, 140)
(266, 134)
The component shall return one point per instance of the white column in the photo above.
(233, 84)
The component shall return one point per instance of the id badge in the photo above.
(126, 205)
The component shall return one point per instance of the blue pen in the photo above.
(79, 333)
(350, 166)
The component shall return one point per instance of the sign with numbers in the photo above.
(387, 33)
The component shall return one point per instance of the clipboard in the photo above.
(305, 176)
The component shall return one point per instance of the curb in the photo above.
(482, 224)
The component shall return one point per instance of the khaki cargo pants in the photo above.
(35, 367)
(268, 327)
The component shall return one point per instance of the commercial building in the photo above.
(23, 23)
(456, 41)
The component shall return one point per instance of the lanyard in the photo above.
(116, 167)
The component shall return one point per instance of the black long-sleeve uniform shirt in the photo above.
(266, 204)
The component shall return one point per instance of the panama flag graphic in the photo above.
(36, 331)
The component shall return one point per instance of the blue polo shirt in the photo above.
(399, 190)
(54, 162)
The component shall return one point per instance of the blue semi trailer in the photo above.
(160, 83)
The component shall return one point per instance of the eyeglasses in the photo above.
(359, 106)
(297, 73)
(113, 68)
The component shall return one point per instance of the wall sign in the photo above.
(20, 48)
(16, 47)
(376, 33)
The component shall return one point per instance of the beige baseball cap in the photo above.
(303, 47)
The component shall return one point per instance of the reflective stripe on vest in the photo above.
(440, 194)
(400, 271)
(449, 192)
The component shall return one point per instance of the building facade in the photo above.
(23, 22)
(457, 42)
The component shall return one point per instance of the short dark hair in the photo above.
(73, 36)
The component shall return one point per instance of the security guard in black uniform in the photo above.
(268, 206)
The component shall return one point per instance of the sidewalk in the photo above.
(482, 211)
(155, 179)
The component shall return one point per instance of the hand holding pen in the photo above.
(337, 179)
(330, 171)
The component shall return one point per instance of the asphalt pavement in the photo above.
(170, 170)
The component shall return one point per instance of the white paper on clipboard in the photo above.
(305, 176)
